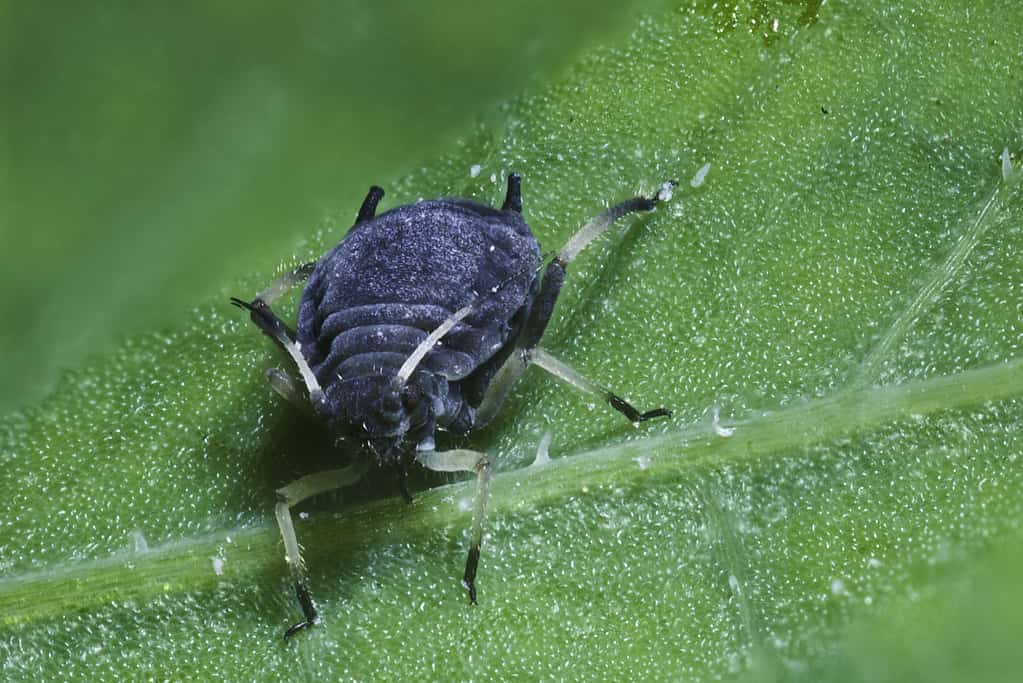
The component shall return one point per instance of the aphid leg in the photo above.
(292, 494)
(466, 461)
(275, 328)
(500, 386)
(543, 307)
(566, 373)
(286, 282)
(285, 387)
(596, 227)
(369, 205)
(554, 276)
(403, 481)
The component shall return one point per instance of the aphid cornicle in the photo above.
(422, 319)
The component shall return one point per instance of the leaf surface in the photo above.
(843, 289)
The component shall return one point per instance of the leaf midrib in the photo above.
(186, 565)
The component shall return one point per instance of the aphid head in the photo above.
(368, 407)
(385, 411)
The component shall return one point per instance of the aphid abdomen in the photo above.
(419, 315)
(358, 351)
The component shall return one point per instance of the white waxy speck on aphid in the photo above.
(218, 566)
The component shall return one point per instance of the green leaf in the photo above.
(962, 626)
(843, 290)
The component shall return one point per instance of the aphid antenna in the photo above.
(419, 353)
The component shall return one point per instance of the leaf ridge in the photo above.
(941, 276)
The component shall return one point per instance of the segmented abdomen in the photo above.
(376, 339)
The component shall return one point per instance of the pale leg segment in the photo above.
(286, 282)
(285, 387)
(500, 386)
(516, 365)
(293, 494)
(596, 227)
(543, 307)
(466, 461)
(275, 328)
(569, 375)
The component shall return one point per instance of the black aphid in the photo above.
(422, 319)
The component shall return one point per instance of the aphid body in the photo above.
(422, 318)
(373, 299)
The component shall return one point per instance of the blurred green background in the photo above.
(150, 146)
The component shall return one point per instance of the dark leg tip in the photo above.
(469, 584)
(257, 307)
(296, 628)
(469, 579)
(308, 610)
(472, 592)
(635, 417)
